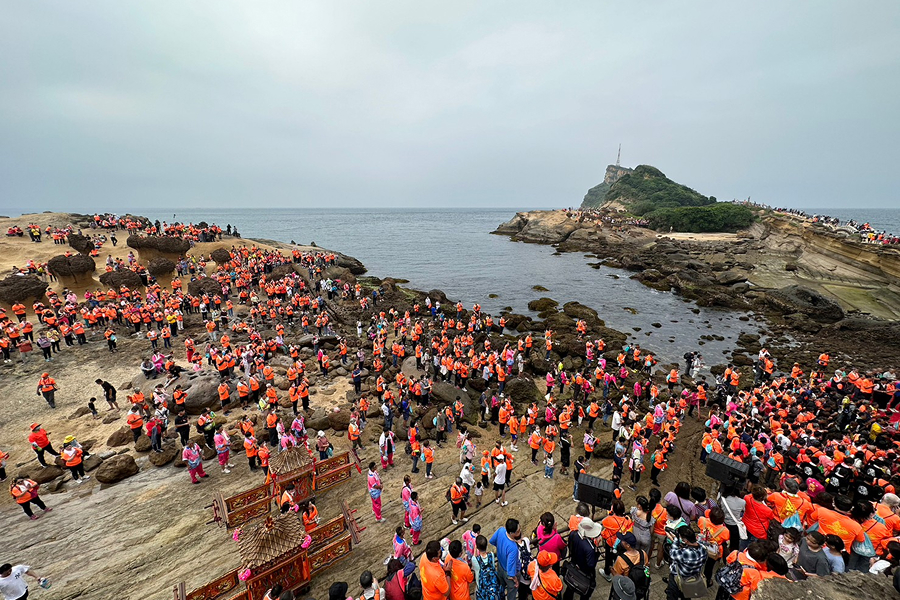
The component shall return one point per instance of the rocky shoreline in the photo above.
(813, 284)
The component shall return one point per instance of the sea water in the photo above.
(454, 251)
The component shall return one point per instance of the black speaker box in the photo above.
(726, 470)
(595, 491)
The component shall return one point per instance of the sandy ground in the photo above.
(143, 535)
(701, 237)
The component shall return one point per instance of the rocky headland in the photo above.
(813, 281)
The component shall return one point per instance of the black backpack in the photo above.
(413, 587)
(639, 574)
(729, 577)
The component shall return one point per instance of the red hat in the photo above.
(35, 426)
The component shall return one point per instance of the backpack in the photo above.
(413, 587)
(729, 577)
(525, 557)
(639, 574)
(488, 582)
(713, 548)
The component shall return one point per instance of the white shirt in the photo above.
(14, 586)
(467, 477)
(500, 477)
(616, 421)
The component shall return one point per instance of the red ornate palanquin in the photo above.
(330, 542)
(308, 479)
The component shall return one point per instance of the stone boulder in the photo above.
(542, 304)
(731, 277)
(22, 288)
(220, 255)
(576, 310)
(445, 394)
(560, 322)
(840, 586)
(142, 444)
(92, 462)
(799, 299)
(121, 437)
(318, 420)
(523, 391)
(339, 420)
(42, 476)
(351, 264)
(605, 449)
(803, 322)
(168, 454)
(202, 392)
(126, 277)
(116, 469)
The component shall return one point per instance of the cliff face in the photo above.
(597, 194)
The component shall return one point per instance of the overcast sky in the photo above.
(464, 103)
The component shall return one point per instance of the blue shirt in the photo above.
(507, 552)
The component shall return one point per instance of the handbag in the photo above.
(742, 529)
(692, 587)
(577, 580)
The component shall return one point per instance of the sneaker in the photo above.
(77, 481)
(226, 471)
(454, 521)
(379, 520)
(497, 501)
(465, 519)
(86, 477)
(198, 481)
(34, 517)
(229, 465)
(46, 510)
(205, 475)
(504, 503)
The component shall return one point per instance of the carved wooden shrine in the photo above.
(273, 549)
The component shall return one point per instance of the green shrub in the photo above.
(721, 216)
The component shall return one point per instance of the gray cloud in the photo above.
(411, 103)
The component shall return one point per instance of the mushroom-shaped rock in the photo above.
(126, 277)
(80, 243)
(71, 266)
(204, 285)
(160, 266)
(160, 243)
(21, 288)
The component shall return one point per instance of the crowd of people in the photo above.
(868, 234)
(818, 497)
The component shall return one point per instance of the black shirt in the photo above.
(181, 421)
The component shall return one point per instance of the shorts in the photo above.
(498, 487)
(660, 537)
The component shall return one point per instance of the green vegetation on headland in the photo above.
(721, 216)
(596, 196)
(648, 194)
(648, 189)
